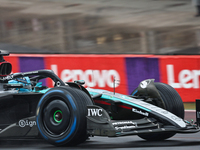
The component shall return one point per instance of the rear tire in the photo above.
(61, 116)
(173, 103)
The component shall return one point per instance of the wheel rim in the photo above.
(57, 116)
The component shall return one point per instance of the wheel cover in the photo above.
(56, 118)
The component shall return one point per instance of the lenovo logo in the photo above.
(186, 78)
(92, 78)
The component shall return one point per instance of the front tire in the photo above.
(173, 103)
(61, 116)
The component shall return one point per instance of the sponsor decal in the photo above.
(183, 74)
(97, 71)
(33, 72)
(144, 84)
(124, 122)
(95, 112)
(92, 78)
(186, 78)
(23, 123)
(125, 127)
(140, 112)
(9, 77)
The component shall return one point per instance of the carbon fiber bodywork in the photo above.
(111, 115)
(123, 115)
(68, 113)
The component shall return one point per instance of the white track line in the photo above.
(190, 110)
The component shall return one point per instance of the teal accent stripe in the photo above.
(93, 93)
(121, 100)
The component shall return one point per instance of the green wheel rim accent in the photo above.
(54, 116)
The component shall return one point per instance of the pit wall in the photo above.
(98, 71)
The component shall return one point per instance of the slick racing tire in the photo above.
(88, 102)
(173, 103)
(61, 116)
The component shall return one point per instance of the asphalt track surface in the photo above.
(179, 141)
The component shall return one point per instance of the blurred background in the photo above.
(158, 27)
(99, 26)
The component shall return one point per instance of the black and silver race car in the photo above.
(68, 113)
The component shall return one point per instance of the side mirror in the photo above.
(81, 82)
(5, 68)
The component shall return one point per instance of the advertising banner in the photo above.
(139, 69)
(31, 64)
(98, 71)
(121, 73)
(182, 73)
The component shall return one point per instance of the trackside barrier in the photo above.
(99, 71)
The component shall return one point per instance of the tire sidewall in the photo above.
(173, 103)
(66, 97)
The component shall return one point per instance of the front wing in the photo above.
(100, 124)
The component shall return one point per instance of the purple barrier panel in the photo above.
(31, 64)
(138, 69)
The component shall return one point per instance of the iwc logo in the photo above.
(95, 112)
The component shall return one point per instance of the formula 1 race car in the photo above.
(68, 113)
